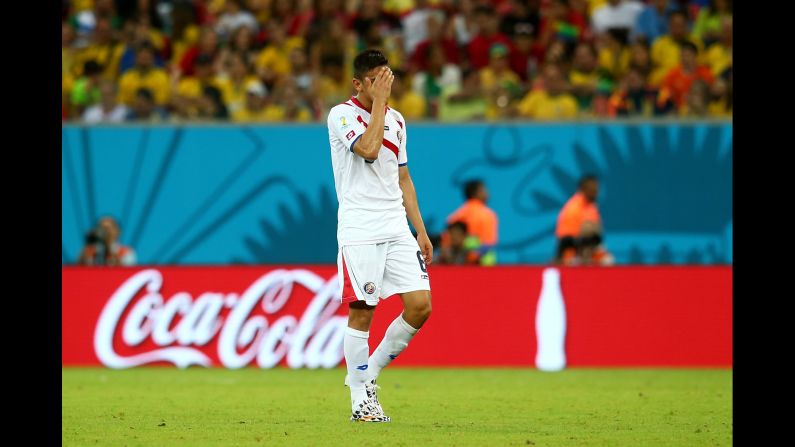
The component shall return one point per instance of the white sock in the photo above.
(356, 351)
(397, 337)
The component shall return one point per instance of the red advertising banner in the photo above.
(503, 316)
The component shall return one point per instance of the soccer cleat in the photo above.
(372, 392)
(371, 388)
(366, 411)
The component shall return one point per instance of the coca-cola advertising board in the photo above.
(502, 316)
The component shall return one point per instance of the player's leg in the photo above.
(356, 347)
(407, 275)
(416, 311)
(361, 272)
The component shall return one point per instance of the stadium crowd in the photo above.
(455, 60)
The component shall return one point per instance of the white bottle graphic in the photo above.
(551, 324)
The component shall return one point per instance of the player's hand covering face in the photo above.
(380, 87)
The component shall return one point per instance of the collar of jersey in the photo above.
(361, 106)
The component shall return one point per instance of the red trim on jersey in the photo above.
(401, 124)
(391, 146)
(356, 101)
(359, 119)
(361, 106)
(348, 295)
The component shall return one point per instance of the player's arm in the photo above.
(413, 213)
(369, 144)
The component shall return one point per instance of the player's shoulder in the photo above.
(343, 108)
(398, 116)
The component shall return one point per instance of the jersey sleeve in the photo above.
(344, 124)
(402, 156)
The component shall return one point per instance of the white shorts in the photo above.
(377, 271)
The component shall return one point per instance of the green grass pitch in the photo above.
(450, 407)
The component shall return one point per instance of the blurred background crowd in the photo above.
(455, 60)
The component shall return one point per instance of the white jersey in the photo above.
(370, 199)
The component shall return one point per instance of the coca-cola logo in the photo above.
(180, 325)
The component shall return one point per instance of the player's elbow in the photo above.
(365, 150)
(371, 152)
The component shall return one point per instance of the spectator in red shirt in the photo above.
(439, 34)
(556, 24)
(526, 57)
(207, 45)
(488, 35)
(679, 79)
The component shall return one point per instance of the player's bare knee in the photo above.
(420, 311)
(360, 316)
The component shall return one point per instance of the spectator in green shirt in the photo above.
(85, 91)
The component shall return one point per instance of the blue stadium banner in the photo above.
(224, 194)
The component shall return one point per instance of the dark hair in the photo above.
(204, 59)
(144, 46)
(366, 61)
(91, 68)
(458, 224)
(485, 9)
(677, 12)
(713, 6)
(621, 35)
(686, 44)
(642, 41)
(145, 93)
(214, 95)
(585, 179)
(471, 188)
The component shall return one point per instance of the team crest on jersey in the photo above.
(350, 135)
(369, 288)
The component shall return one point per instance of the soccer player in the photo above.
(378, 256)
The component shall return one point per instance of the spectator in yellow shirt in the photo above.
(287, 105)
(551, 102)
(665, 50)
(242, 41)
(584, 76)
(254, 109)
(709, 23)
(464, 102)
(190, 90)
(144, 109)
(720, 101)
(614, 56)
(498, 82)
(237, 77)
(696, 103)
(104, 49)
(719, 54)
(145, 75)
(184, 32)
(332, 87)
(68, 63)
(407, 101)
(85, 91)
(273, 62)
